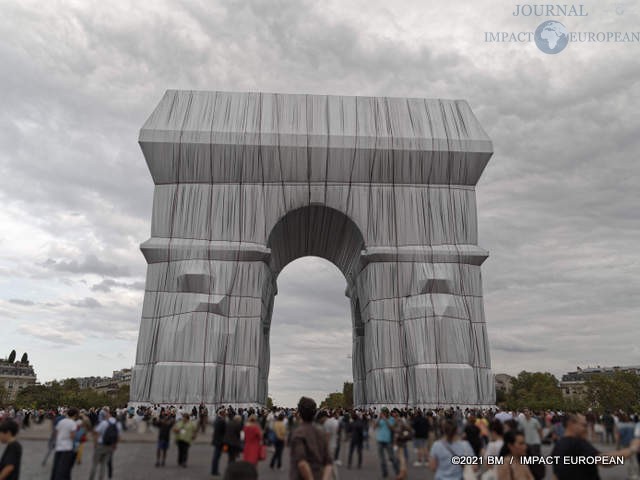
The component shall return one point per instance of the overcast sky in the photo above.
(558, 204)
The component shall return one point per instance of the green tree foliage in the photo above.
(69, 393)
(333, 401)
(342, 399)
(575, 405)
(12, 356)
(501, 396)
(617, 391)
(269, 403)
(535, 390)
(25, 358)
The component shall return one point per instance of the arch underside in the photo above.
(407, 250)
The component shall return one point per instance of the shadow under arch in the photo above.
(321, 231)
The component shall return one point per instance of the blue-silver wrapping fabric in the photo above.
(382, 187)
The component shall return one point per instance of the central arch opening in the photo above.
(314, 347)
(310, 338)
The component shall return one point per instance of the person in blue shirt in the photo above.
(384, 437)
(444, 449)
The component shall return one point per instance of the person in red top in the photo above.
(252, 441)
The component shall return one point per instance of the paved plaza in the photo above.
(135, 458)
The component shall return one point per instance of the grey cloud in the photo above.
(87, 302)
(91, 264)
(108, 284)
(18, 301)
(515, 346)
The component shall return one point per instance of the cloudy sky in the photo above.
(558, 204)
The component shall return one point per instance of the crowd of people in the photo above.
(423, 438)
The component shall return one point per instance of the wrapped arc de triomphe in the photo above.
(384, 188)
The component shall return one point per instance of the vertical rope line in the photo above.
(268, 305)
(371, 234)
(209, 247)
(430, 213)
(224, 158)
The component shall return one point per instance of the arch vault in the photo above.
(382, 187)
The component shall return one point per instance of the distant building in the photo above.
(107, 384)
(576, 390)
(582, 374)
(91, 382)
(122, 376)
(573, 384)
(14, 376)
(503, 382)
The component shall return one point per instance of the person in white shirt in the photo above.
(331, 427)
(496, 430)
(65, 456)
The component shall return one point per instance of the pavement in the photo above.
(134, 459)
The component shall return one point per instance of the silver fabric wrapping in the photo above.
(382, 187)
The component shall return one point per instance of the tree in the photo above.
(501, 396)
(347, 394)
(333, 401)
(12, 356)
(535, 390)
(617, 391)
(25, 358)
(269, 403)
(122, 396)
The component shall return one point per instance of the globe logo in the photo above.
(551, 37)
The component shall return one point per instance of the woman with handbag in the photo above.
(443, 451)
(252, 452)
(513, 450)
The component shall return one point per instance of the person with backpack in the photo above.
(105, 438)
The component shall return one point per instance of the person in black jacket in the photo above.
(232, 437)
(356, 429)
(12, 455)
(421, 428)
(472, 435)
(165, 424)
(219, 430)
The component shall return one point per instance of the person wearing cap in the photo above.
(384, 438)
